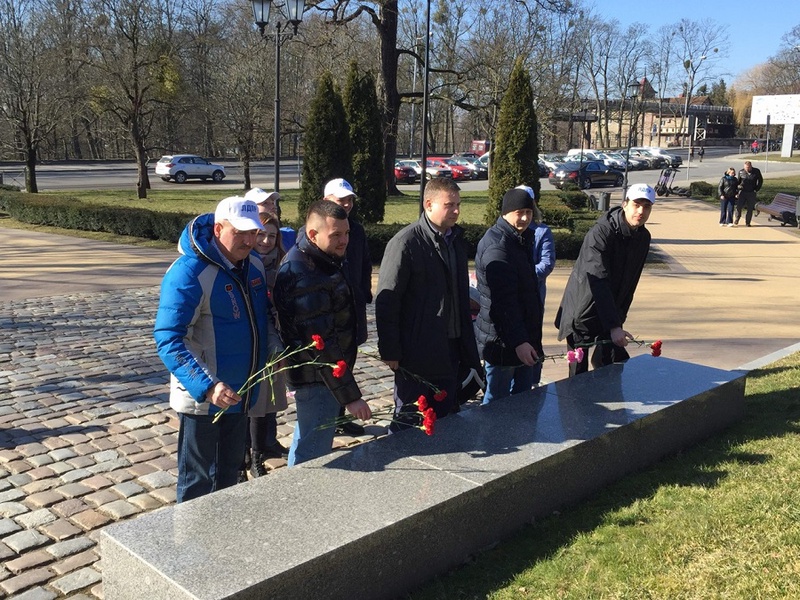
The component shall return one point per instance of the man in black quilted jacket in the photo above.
(313, 297)
(750, 181)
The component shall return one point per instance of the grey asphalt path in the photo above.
(86, 434)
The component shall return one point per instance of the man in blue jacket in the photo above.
(213, 332)
(509, 326)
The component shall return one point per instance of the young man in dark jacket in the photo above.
(313, 297)
(422, 305)
(510, 319)
(750, 181)
(603, 281)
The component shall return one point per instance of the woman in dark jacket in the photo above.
(728, 188)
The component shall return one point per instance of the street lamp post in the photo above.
(633, 92)
(261, 10)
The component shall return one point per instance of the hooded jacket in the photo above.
(603, 281)
(728, 186)
(212, 325)
(511, 310)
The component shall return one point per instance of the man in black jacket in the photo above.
(510, 319)
(603, 281)
(750, 181)
(313, 297)
(422, 305)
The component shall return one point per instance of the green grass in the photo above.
(719, 521)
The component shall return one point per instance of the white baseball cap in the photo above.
(260, 196)
(339, 188)
(641, 191)
(241, 213)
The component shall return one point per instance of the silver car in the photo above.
(180, 167)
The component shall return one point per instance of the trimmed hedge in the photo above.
(70, 213)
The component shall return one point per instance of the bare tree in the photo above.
(29, 96)
(132, 50)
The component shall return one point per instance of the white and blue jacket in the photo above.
(212, 325)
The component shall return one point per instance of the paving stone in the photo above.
(26, 580)
(42, 485)
(69, 507)
(11, 495)
(97, 482)
(62, 454)
(73, 490)
(41, 472)
(6, 552)
(89, 519)
(7, 456)
(127, 489)
(36, 518)
(110, 465)
(145, 502)
(12, 509)
(80, 462)
(46, 498)
(158, 479)
(19, 479)
(29, 560)
(69, 547)
(74, 562)
(76, 475)
(25, 540)
(119, 509)
(59, 530)
(120, 475)
(105, 456)
(75, 439)
(40, 460)
(8, 526)
(100, 497)
(37, 593)
(167, 495)
(78, 580)
(31, 450)
(134, 424)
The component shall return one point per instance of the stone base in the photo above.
(387, 516)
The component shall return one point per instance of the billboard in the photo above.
(781, 109)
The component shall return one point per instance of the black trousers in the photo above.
(604, 352)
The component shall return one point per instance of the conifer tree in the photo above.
(328, 152)
(515, 155)
(364, 117)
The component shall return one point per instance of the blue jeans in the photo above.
(209, 454)
(726, 210)
(315, 406)
(501, 382)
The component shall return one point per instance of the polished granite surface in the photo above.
(295, 517)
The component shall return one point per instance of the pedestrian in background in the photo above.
(750, 181)
(728, 188)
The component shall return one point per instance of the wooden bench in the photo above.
(779, 207)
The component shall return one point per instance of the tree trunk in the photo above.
(246, 170)
(391, 97)
(30, 169)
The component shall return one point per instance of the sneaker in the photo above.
(241, 477)
(722, 224)
(276, 450)
(747, 225)
(729, 225)
(350, 428)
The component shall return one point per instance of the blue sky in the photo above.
(755, 28)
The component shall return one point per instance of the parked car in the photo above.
(442, 164)
(485, 159)
(405, 173)
(586, 175)
(553, 161)
(430, 172)
(464, 172)
(180, 167)
(478, 169)
(673, 160)
(653, 161)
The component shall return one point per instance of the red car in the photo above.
(403, 174)
(458, 172)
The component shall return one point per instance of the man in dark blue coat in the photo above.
(509, 326)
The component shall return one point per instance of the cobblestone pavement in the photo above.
(86, 434)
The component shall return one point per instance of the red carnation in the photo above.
(318, 342)
(655, 348)
(340, 368)
(440, 395)
(422, 403)
(428, 420)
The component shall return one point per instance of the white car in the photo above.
(181, 167)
